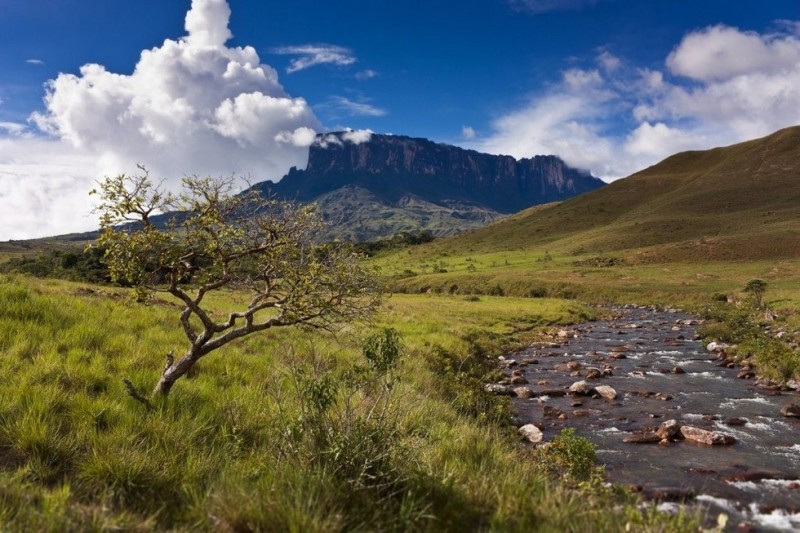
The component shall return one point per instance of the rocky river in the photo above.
(669, 415)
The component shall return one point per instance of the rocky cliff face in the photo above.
(393, 167)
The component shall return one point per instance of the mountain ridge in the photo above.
(475, 187)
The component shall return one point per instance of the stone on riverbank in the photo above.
(531, 433)
(791, 409)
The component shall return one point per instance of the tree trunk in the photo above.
(173, 372)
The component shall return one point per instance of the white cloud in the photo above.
(608, 61)
(367, 74)
(468, 132)
(752, 90)
(315, 54)
(44, 186)
(34, 61)
(721, 53)
(340, 105)
(191, 106)
(357, 136)
(13, 129)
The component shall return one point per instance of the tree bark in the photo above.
(174, 371)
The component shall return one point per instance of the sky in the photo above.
(91, 88)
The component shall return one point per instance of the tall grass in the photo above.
(292, 431)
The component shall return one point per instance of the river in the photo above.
(660, 371)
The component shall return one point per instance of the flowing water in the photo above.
(753, 480)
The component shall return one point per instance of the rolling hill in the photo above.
(729, 203)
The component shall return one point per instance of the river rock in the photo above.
(518, 380)
(552, 412)
(735, 421)
(552, 392)
(531, 433)
(791, 409)
(517, 372)
(669, 429)
(524, 393)
(574, 365)
(606, 392)
(581, 387)
(593, 373)
(704, 436)
(642, 438)
(678, 370)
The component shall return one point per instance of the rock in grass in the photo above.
(531, 433)
(606, 392)
(791, 409)
(704, 436)
(500, 390)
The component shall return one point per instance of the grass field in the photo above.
(277, 433)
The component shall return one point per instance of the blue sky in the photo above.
(609, 85)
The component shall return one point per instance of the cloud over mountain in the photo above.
(721, 85)
(190, 106)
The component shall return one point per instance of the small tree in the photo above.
(757, 288)
(213, 239)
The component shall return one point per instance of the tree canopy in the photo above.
(207, 238)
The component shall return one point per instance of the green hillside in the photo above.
(736, 202)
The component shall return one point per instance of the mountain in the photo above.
(729, 203)
(390, 183)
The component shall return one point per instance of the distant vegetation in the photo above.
(79, 264)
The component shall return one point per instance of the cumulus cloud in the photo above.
(311, 55)
(722, 85)
(468, 132)
(43, 188)
(190, 106)
(721, 53)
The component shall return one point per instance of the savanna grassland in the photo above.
(288, 431)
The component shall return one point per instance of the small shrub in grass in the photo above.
(472, 298)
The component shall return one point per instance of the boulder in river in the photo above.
(791, 409)
(593, 373)
(678, 370)
(524, 393)
(704, 436)
(531, 433)
(669, 430)
(581, 387)
(716, 346)
(606, 392)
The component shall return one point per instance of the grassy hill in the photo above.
(736, 202)
(697, 224)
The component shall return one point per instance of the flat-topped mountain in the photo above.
(390, 183)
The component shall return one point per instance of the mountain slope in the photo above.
(390, 183)
(736, 202)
